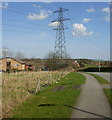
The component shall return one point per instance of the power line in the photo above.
(87, 40)
(23, 13)
(20, 12)
(18, 21)
(18, 26)
(76, 46)
(16, 31)
(93, 36)
(16, 11)
(81, 48)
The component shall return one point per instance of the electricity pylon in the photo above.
(60, 47)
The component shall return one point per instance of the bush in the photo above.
(55, 64)
(81, 64)
(14, 70)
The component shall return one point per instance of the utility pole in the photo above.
(99, 65)
(99, 60)
(60, 47)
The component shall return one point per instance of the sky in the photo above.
(27, 28)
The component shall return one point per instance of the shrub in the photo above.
(14, 70)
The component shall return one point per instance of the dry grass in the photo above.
(0, 95)
(17, 87)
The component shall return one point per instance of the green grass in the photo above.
(57, 99)
(99, 78)
(108, 93)
(73, 79)
(90, 65)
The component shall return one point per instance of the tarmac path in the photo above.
(106, 76)
(92, 102)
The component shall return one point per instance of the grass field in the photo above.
(17, 87)
(100, 79)
(52, 103)
(89, 65)
(108, 93)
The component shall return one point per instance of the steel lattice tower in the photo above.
(60, 47)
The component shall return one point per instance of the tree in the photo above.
(110, 63)
(81, 64)
(54, 63)
(19, 55)
(6, 52)
(50, 55)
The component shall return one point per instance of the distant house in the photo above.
(29, 67)
(8, 63)
(96, 63)
(76, 64)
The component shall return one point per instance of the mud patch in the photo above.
(76, 87)
(58, 88)
(47, 105)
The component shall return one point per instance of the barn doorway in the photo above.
(8, 66)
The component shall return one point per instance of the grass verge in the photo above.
(100, 79)
(108, 93)
(52, 104)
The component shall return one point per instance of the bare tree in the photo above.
(54, 63)
(50, 55)
(19, 55)
(6, 52)
(53, 55)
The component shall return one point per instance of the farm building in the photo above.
(75, 63)
(8, 63)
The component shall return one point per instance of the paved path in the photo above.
(106, 86)
(91, 99)
(106, 76)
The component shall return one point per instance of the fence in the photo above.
(17, 87)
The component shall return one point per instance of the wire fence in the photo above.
(17, 87)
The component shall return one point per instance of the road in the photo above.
(91, 101)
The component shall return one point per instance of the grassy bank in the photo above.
(100, 79)
(17, 87)
(108, 93)
(51, 102)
